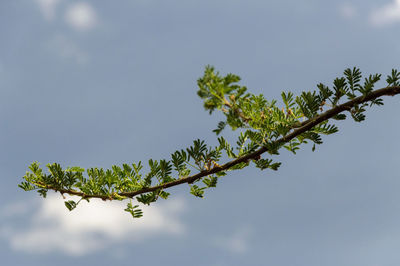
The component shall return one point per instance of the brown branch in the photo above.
(307, 125)
(76, 193)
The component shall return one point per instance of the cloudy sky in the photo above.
(97, 83)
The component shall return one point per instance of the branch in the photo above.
(295, 132)
(388, 91)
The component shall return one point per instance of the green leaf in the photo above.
(134, 210)
(197, 150)
(197, 191)
(394, 78)
(221, 126)
(239, 166)
(70, 204)
(324, 92)
(339, 117)
(147, 198)
(210, 181)
(75, 169)
(353, 77)
(288, 99)
(377, 101)
(178, 160)
(26, 186)
(163, 194)
(267, 163)
(223, 144)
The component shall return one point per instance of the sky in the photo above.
(97, 83)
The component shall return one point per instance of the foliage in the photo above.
(263, 128)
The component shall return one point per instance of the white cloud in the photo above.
(91, 226)
(387, 14)
(235, 243)
(48, 8)
(81, 16)
(348, 11)
(67, 49)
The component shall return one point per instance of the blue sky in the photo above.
(97, 83)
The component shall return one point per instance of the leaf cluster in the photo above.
(263, 127)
